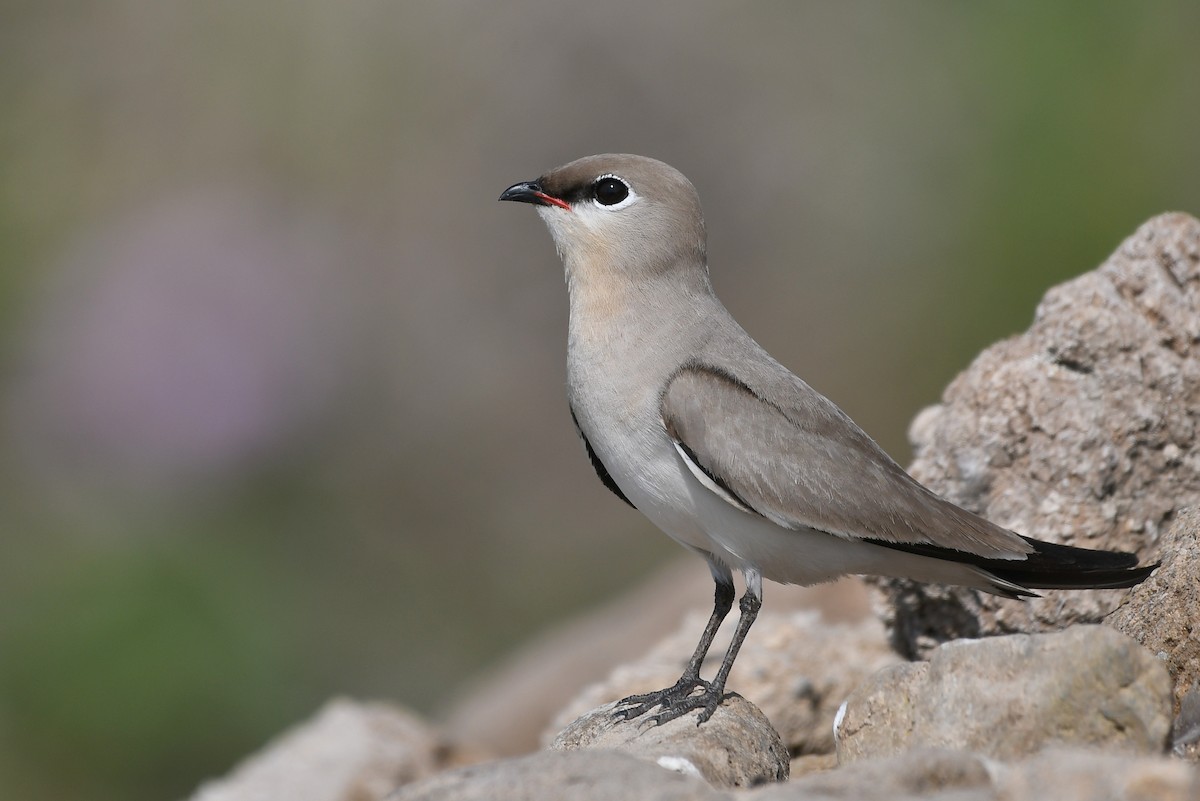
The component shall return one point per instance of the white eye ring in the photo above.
(630, 198)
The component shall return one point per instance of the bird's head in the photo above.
(618, 212)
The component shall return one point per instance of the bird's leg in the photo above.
(711, 699)
(637, 705)
(679, 700)
(708, 700)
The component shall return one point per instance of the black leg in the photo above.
(690, 681)
(750, 604)
(722, 603)
(682, 698)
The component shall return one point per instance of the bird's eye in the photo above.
(610, 190)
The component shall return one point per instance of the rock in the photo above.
(590, 775)
(918, 774)
(349, 752)
(518, 705)
(1185, 731)
(1073, 775)
(1081, 430)
(1007, 697)
(797, 668)
(812, 763)
(1163, 612)
(736, 748)
(1063, 775)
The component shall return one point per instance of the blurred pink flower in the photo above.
(183, 343)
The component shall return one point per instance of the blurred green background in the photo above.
(281, 390)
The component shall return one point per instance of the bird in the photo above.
(686, 418)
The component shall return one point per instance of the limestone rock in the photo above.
(1063, 775)
(1007, 697)
(589, 775)
(797, 668)
(1185, 732)
(812, 763)
(349, 752)
(1082, 430)
(736, 748)
(1074, 775)
(918, 774)
(1163, 612)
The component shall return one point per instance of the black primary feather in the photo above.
(1048, 567)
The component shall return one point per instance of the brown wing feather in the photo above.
(806, 464)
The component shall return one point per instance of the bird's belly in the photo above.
(655, 479)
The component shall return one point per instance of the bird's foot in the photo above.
(674, 702)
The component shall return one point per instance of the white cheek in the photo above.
(589, 216)
(557, 220)
(595, 217)
(588, 231)
(578, 226)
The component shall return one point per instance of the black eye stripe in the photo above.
(609, 190)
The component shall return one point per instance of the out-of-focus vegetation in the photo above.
(281, 390)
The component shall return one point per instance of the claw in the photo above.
(674, 702)
(707, 702)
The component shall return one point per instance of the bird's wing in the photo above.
(796, 459)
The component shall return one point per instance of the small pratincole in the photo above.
(687, 419)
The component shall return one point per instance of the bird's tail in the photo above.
(1047, 567)
(1065, 567)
